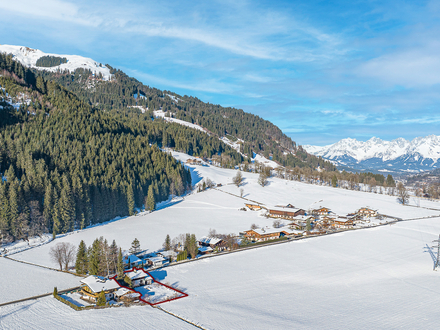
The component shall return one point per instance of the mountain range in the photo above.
(399, 155)
(106, 88)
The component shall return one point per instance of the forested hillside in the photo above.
(65, 164)
(259, 135)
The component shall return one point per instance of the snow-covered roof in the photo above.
(284, 209)
(167, 254)
(124, 291)
(205, 249)
(156, 259)
(136, 274)
(99, 283)
(209, 240)
(132, 259)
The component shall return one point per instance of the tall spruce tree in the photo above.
(81, 264)
(94, 257)
(150, 203)
(120, 265)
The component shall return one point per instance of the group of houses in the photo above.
(92, 286)
(315, 221)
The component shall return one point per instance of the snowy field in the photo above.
(217, 209)
(375, 278)
(49, 313)
(378, 278)
(21, 280)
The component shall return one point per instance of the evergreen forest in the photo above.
(259, 135)
(65, 165)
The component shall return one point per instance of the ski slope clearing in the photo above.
(49, 313)
(161, 114)
(21, 281)
(376, 278)
(28, 57)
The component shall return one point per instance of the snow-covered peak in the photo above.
(28, 57)
(421, 147)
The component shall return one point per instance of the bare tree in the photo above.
(56, 254)
(69, 255)
(402, 193)
(212, 233)
(254, 226)
(241, 192)
(262, 179)
(237, 179)
(276, 223)
(63, 254)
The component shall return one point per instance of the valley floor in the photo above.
(377, 278)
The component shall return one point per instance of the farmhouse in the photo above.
(131, 261)
(321, 211)
(156, 261)
(213, 243)
(138, 277)
(260, 235)
(285, 212)
(254, 207)
(92, 286)
(343, 222)
(366, 212)
(124, 294)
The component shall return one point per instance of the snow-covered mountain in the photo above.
(420, 154)
(28, 57)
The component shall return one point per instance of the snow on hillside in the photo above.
(20, 280)
(15, 102)
(219, 210)
(28, 57)
(160, 113)
(233, 144)
(49, 313)
(368, 279)
(265, 161)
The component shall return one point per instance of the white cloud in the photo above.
(50, 9)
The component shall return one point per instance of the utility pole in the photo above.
(437, 261)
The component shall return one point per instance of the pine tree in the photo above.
(81, 259)
(135, 246)
(334, 181)
(120, 265)
(113, 257)
(167, 243)
(67, 206)
(94, 257)
(150, 201)
(13, 208)
(130, 199)
(48, 206)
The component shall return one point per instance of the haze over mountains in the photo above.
(399, 155)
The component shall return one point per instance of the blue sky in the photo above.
(320, 70)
